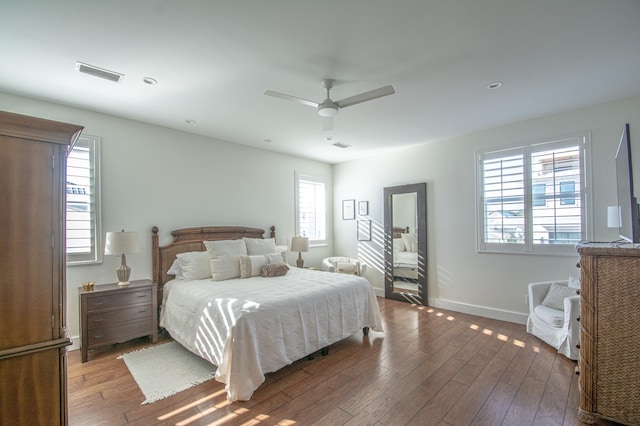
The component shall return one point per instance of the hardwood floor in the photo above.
(429, 367)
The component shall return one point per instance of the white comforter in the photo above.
(253, 326)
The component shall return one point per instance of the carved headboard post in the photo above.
(273, 231)
(155, 244)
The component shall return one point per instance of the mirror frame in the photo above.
(421, 203)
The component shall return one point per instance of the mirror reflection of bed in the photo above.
(405, 260)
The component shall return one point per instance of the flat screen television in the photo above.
(627, 202)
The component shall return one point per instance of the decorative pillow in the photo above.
(175, 270)
(283, 250)
(225, 258)
(347, 268)
(398, 245)
(556, 295)
(574, 282)
(410, 242)
(274, 269)
(194, 265)
(260, 245)
(251, 266)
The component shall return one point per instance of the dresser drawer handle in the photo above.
(142, 311)
(98, 303)
(142, 295)
(98, 336)
(98, 319)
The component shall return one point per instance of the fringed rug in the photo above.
(164, 370)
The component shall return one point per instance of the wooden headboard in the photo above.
(192, 239)
(397, 231)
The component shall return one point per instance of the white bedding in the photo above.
(253, 326)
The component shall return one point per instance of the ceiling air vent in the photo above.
(99, 72)
(341, 145)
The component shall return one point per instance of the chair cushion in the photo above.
(551, 316)
(556, 295)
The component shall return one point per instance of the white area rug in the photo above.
(166, 369)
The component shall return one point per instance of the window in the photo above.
(311, 208)
(531, 199)
(83, 202)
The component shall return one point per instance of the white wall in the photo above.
(459, 278)
(156, 176)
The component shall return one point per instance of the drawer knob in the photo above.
(577, 346)
(98, 336)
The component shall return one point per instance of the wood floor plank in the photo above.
(429, 367)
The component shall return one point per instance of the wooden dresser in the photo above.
(34, 338)
(113, 314)
(610, 334)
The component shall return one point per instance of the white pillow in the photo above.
(283, 250)
(194, 265)
(398, 245)
(175, 270)
(410, 242)
(251, 266)
(260, 245)
(556, 295)
(225, 258)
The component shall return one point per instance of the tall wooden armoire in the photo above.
(33, 334)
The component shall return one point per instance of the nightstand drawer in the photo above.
(111, 318)
(98, 303)
(121, 333)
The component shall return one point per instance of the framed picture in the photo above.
(363, 208)
(348, 209)
(364, 230)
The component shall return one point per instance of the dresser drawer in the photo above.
(110, 318)
(118, 334)
(100, 302)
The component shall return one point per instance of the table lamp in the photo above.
(300, 244)
(120, 243)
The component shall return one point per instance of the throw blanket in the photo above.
(253, 326)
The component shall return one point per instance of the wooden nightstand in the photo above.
(112, 314)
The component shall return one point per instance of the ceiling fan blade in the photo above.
(291, 98)
(366, 96)
(327, 124)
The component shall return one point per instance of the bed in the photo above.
(255, 325)
(405, 255)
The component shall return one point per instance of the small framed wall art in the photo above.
(348, 209)
(363, 208)
(364, 230)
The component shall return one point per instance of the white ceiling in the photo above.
(213, 61)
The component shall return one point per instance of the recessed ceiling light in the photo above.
(341, 145)
(149, 80)
(190, 121)
(494, 85)
(267, 141)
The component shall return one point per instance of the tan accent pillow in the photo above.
(274, 269)
(251, 266)
(347, 268)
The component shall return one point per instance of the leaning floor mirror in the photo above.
(405, 243)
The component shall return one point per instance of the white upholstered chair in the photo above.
(346, 265)
(554, 311)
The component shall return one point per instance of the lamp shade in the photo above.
(614, 216)
(121, 243)
(300, 244)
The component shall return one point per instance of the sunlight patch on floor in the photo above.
(191, 405)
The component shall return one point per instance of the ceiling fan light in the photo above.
(327, 110)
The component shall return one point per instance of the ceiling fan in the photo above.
(329, 107)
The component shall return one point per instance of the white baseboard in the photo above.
(465, 308)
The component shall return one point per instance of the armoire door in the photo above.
(28, 216)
